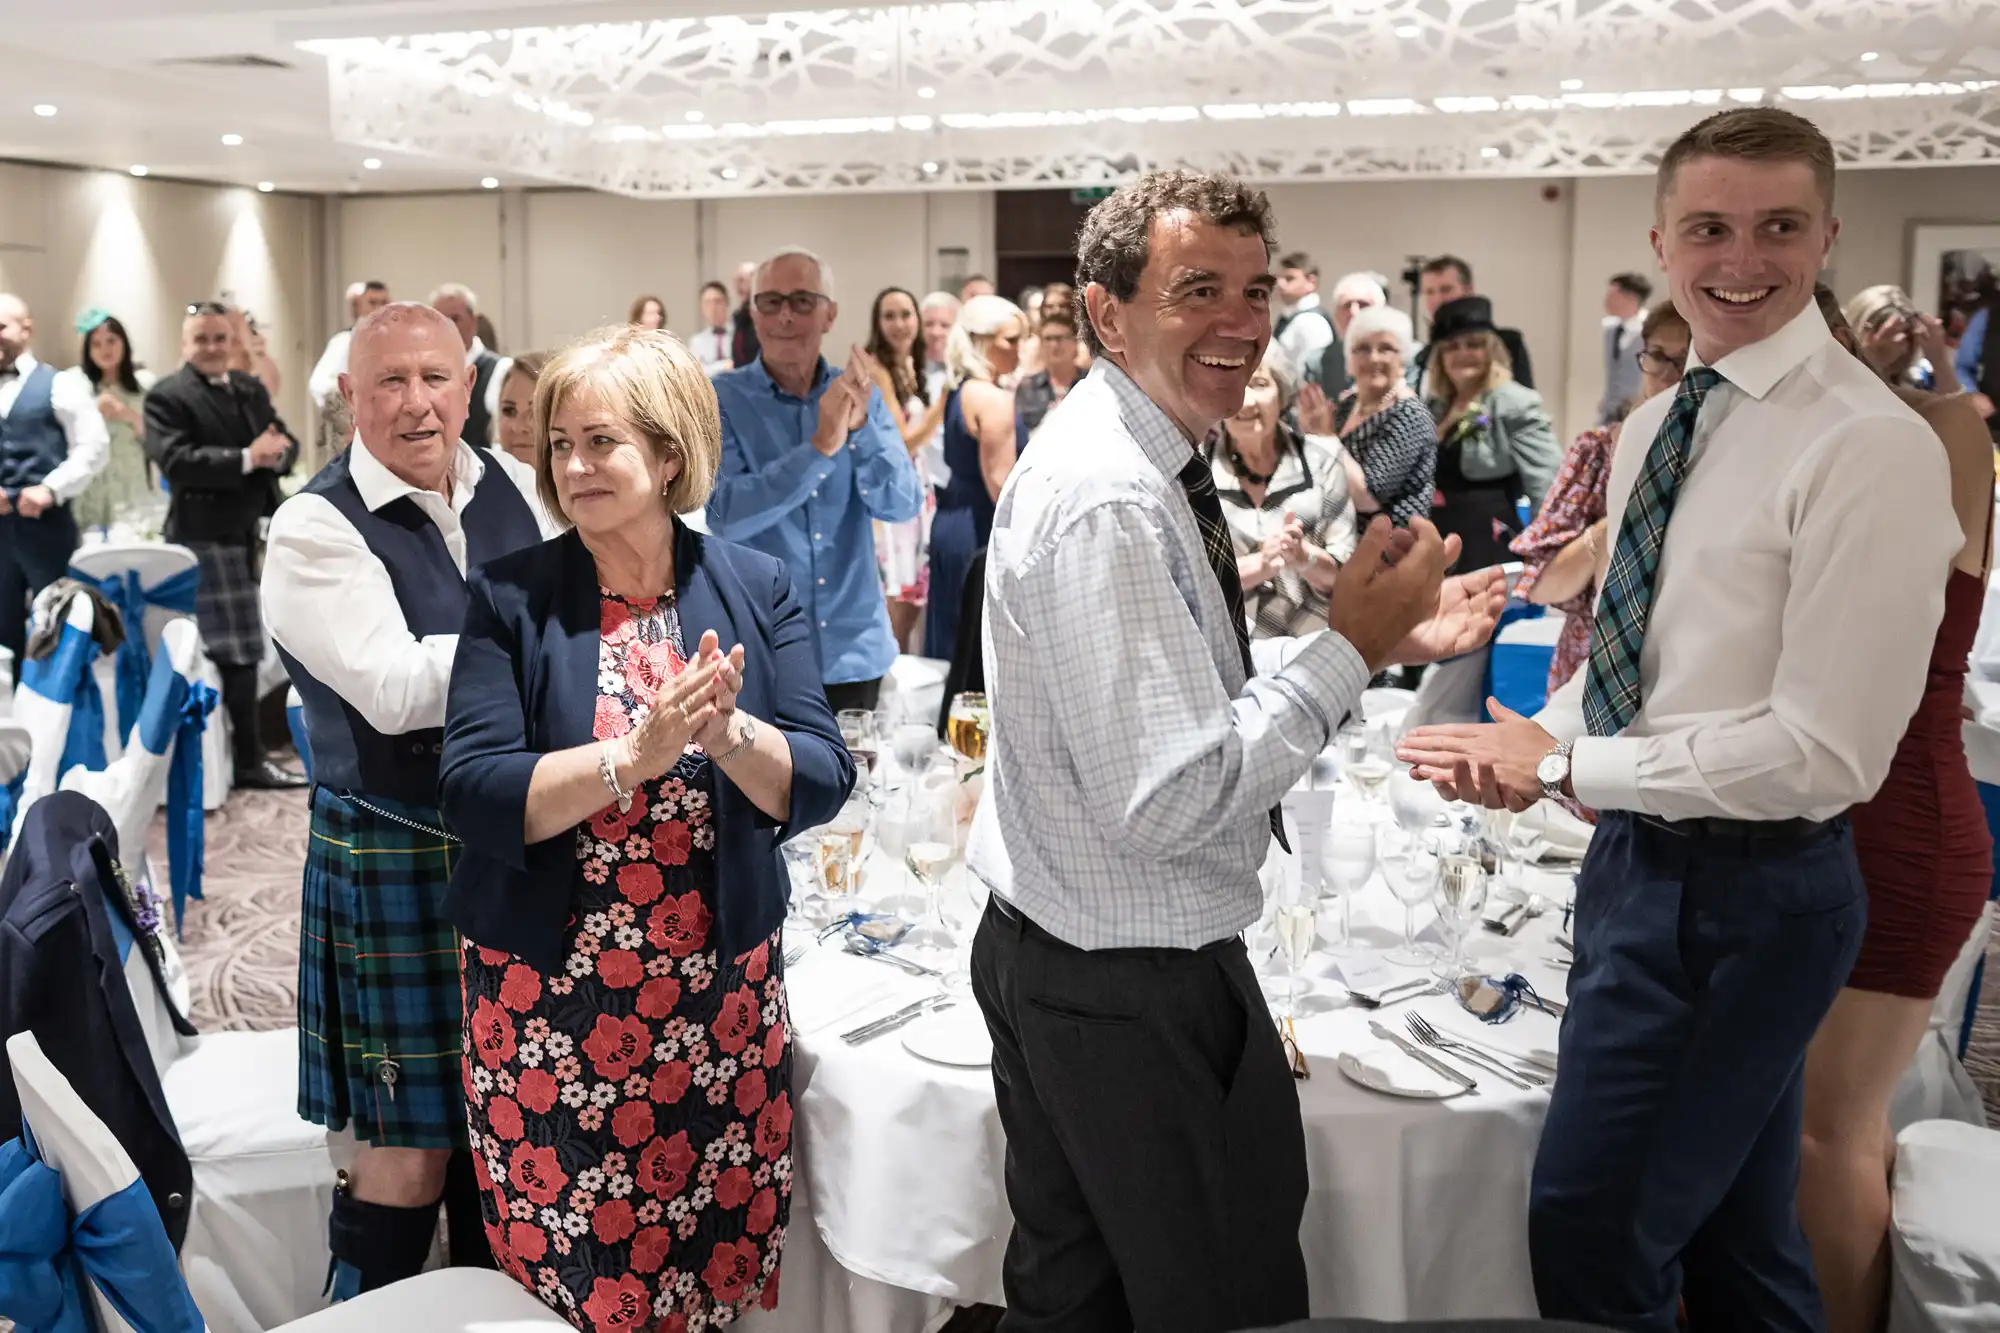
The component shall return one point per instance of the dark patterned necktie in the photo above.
(1611, 690)
(1199, 483)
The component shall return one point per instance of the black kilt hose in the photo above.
(380, 1037)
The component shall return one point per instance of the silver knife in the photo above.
(890, 1022)
(1424, 1057)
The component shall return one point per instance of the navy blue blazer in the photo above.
(524, 684)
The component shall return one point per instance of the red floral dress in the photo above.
(631, 1116)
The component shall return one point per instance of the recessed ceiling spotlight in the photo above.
(695, 118)
(1572, 85)
(927, 92)
(265, 187)
(138, 169)
(232, 141)
(371, 164)
(729, 173)
(489, 182)
(44, 109)
(1867, 56)
(930, 168)
(1489, 152)
(1409, 30)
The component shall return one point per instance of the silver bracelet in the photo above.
(749, 735)
(608, 770)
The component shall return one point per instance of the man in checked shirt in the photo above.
(1155, 1159)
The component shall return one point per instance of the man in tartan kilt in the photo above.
(364, 591)
(220, 445)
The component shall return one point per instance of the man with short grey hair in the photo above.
(363, 300)
(456, 302)
(1155, 1157)
(1354, 293)
(809, 457)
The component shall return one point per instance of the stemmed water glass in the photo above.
(930, 849)
(1460, 899)
(1363, 769)
(1347, 861)
(1411, 867)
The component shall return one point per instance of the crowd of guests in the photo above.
(604, 603)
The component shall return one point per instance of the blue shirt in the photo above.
(779, 495)
(1970, 348)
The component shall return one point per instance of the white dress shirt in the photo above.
(75, 405)
(1799, 590)
(329, 603)
(324, 382)
(1133, 768)
(711, 348)
(1307, 337)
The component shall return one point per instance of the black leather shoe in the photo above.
(267, 776)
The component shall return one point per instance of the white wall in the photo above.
(589, 255)
(143, 249)
(414, 242)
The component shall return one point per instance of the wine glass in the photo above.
(807, 905)
(1347, 861)
(1412, 872)
(1460, 899)
(857, 731)
(930, 850)
(1297, 918)
(1510, 865)
(1364, 770)
(968, 724)
(913, 743)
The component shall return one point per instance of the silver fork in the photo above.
(1430, 1036)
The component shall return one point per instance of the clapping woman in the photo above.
(624, 783)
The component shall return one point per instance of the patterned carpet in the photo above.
(242, 943)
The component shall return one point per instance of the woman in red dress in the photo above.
(623, 785)
(1927, 860)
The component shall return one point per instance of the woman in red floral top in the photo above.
(628, 1073)
(1568, 542)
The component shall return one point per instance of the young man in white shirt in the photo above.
(1754, 662)
(1304, 328)
(364, 591)
(711, 342)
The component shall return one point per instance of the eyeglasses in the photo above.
(1653, 363)
(802, 303)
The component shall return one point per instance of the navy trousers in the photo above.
(34, 552)
(1669, 1164)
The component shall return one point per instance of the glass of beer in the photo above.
(968, 725)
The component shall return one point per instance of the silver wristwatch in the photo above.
(1553, 771)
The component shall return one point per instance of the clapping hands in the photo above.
(844, 405)
(1315, 410)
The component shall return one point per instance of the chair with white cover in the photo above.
(17, 746)
(46, 701)
(108, 1231)
(153, 584)
(93, 1169)
(1944, 1250)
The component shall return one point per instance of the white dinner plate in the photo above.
(956, 1036)
(1386, 1069)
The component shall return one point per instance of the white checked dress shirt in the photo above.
(75, 405)
(1132, 769)
(1798, 593)
(329, 603)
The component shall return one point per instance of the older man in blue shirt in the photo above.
(809, 456)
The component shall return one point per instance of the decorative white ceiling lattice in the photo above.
(1087, 92)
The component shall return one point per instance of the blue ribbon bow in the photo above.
(182, 725)
(64, 677)
(118, 1243)
(123, 590)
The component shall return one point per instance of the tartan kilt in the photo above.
(380, 1040)
(226, 609)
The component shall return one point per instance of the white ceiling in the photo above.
(608, 94)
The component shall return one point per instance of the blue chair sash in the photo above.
(10, 801)
(118, 1243)
(176, 714)
(176, 592)
(65, 677)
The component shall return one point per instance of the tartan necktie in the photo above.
(1199, 483)
(1611, 690)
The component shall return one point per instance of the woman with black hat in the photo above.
(1496, 444)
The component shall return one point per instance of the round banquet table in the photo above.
(1417, 1209)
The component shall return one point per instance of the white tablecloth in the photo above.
(1417, 1209)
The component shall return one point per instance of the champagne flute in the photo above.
(1460, 899)
(930, 850)
(1347, 861)
(1298, 926)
